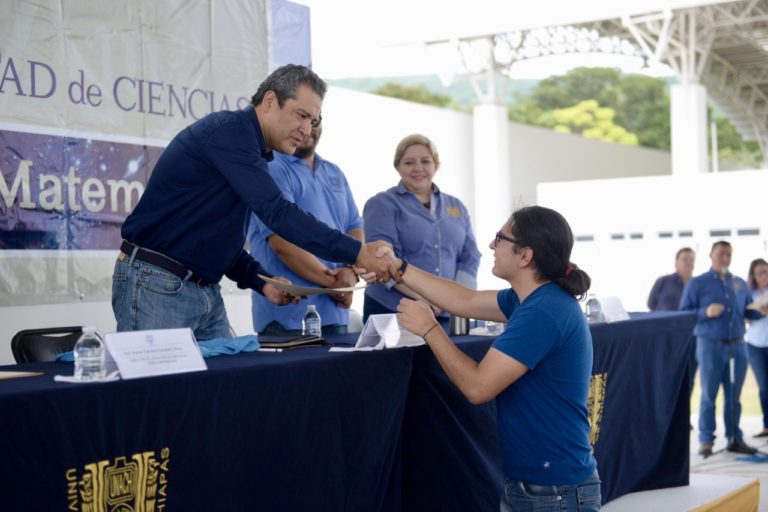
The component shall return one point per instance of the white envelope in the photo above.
(384, 331)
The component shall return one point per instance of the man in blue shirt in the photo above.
(320, 188)
(667, 290)
(720, 300)
(188, 229)
(665, 296)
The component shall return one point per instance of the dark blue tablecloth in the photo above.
(309, 429)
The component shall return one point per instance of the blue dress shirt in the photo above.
(732, 292)
(325, 193)
(438, 240)
(197, 203)
(666, 293)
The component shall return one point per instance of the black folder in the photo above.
(287, 342)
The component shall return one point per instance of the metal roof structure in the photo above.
(722, 46)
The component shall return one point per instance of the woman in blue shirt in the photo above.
(538, 370)
(426, 226)
(757, 337)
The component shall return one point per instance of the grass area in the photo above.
(750, 398)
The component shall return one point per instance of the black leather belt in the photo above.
(164, 262)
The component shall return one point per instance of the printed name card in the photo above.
(157, 352)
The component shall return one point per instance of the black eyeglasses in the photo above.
(500, 236)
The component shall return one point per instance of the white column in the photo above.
(492, 195)
(688, 109)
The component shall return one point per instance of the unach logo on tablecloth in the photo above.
(138, 483)
(595, 401)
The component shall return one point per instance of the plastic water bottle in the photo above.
(311, 323)
(89, 355)
(593, 310)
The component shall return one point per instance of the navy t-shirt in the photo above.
(543, 421)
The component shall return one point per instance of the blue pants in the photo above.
(522, 497)
(758, 359)
(713, 357)
(145, 296)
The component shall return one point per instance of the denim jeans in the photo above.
(522, 497)
(145, 296)
(714, 370)
(758, 359)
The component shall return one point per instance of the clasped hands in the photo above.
(376, 262)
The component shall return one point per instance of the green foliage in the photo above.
(639, 105)
(590, 120)
(732, 149)
(418, 93)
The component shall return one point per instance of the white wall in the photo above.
(360, 134)
(696, 204)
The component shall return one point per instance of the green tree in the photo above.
(590, 120)
(640, 104)
(417, 94)
(732, 149)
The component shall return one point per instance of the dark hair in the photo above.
(549, 235)
(681, 251)
(720, 242)
(752, 266)
(285, 81)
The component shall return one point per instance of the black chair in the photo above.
(40, 345)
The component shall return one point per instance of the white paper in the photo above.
(759, 302)
(157, 352)
(384, 331)
(295, 289)
(613, 310)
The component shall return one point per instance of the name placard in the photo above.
(157, 352)
(384, 331)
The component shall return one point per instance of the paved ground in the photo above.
(726, 463)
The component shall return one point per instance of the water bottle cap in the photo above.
(311, 307)
(89, 329)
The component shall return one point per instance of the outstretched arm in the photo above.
(451, 296)
(479, 382)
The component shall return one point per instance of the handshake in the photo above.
(376, 262)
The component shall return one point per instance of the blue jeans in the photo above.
(522, 497)
(758, 359)
(714, 370)
(145, 296)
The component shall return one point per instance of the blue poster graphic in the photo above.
(59, 192)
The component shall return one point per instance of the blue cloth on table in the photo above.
(209, 348)
(224, 346)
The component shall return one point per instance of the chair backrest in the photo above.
(40, 345)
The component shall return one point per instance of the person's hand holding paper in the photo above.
(278, 295)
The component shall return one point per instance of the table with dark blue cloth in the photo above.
(319, 430)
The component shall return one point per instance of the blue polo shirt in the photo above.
(732, 292)
(543, 419)
(325, 193)
(666, 293)
(438, 240)
(197, 203)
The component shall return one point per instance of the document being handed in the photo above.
(298, 290)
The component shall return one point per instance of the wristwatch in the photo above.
(401, 270)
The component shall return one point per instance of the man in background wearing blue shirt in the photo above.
(666, 294)
(720, 300)
(188, 229)
(667, 290)
(320, 188)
